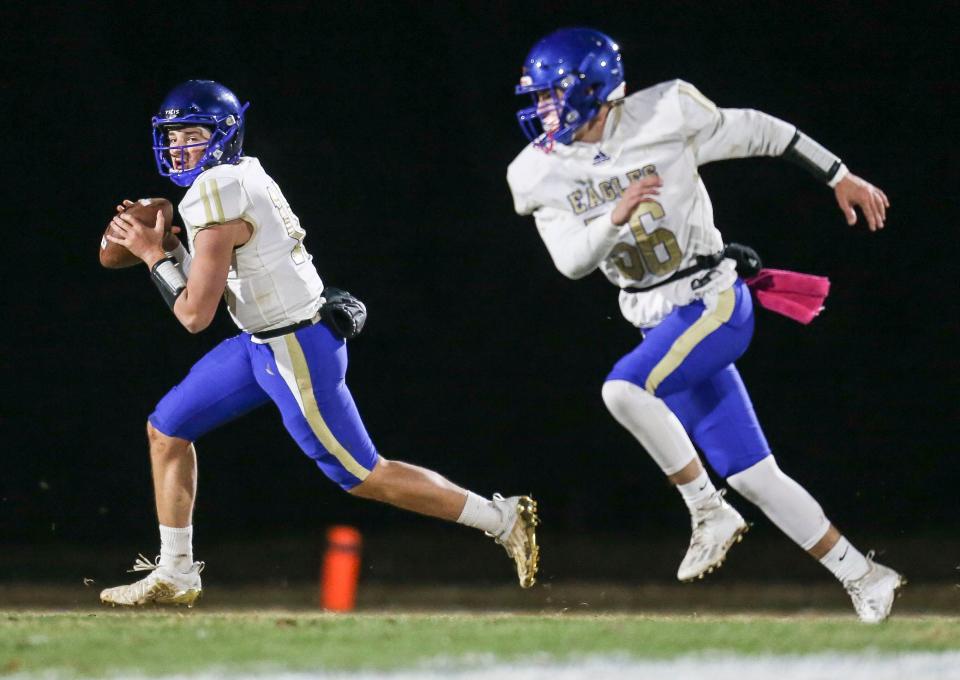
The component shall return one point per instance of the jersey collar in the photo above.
(609, 145)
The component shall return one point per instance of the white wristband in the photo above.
(181, 255)
(842, 172)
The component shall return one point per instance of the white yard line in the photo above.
(864, 666)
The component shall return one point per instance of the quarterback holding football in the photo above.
(247, 246)
(612, 182)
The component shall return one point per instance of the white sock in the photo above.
(845, 562)
(652, 423)
(788, 505)
(481, 513)
(696, 492)
(176, 547)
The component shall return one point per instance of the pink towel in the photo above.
(792, 294)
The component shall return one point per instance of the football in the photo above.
(115, 256)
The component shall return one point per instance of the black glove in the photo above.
(343, 313)
(748, 262)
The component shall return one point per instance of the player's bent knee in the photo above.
(786, 503)
(754, 481)
(365, 489)
(164, 444)
(614, 393)
(621, 396)
(154, 436)
(611, 394)
(374, 484)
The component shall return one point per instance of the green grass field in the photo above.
(151, 643)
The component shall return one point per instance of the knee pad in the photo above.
(616, 396)
(651, 422)
(788, 505)
(756, 481)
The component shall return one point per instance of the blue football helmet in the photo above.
(202, 103)
(581, 69)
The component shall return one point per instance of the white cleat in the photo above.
(716, 527)
(161, 586)
(874, 592)
(519, 536)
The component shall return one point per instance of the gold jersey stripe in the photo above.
(207, 211)
(697, 96)
(617, 113)
(311, 410)
(690, 338)
(216, 201)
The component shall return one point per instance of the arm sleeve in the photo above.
(214, 201)
(576, 249)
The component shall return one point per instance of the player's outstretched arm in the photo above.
(851, 191)
(854, 192)
(736, 133)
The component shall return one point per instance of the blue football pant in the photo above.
(302, 373)
(687, 360)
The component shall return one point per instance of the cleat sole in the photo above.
(527, 510)
(160, 594)
(736, 538)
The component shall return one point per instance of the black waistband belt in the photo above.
(746, 258)
(704, 262)
(277, 332)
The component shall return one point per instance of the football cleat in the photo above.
(162, 586)
(874, 592)
(716, 527)
(519, 536)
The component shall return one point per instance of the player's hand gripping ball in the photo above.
(114, 255)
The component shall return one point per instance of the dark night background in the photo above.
(389, 127)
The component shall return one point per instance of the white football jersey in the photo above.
(272, 281)
(668, 130)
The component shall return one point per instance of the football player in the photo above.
(247, 245)
(612, 183)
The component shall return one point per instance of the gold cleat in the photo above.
(520, 541)
(161, 587)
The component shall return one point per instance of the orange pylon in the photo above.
(341, 569)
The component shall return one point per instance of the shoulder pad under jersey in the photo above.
(698, 112)
(214, 198)
(524, 175)
(675, 104)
